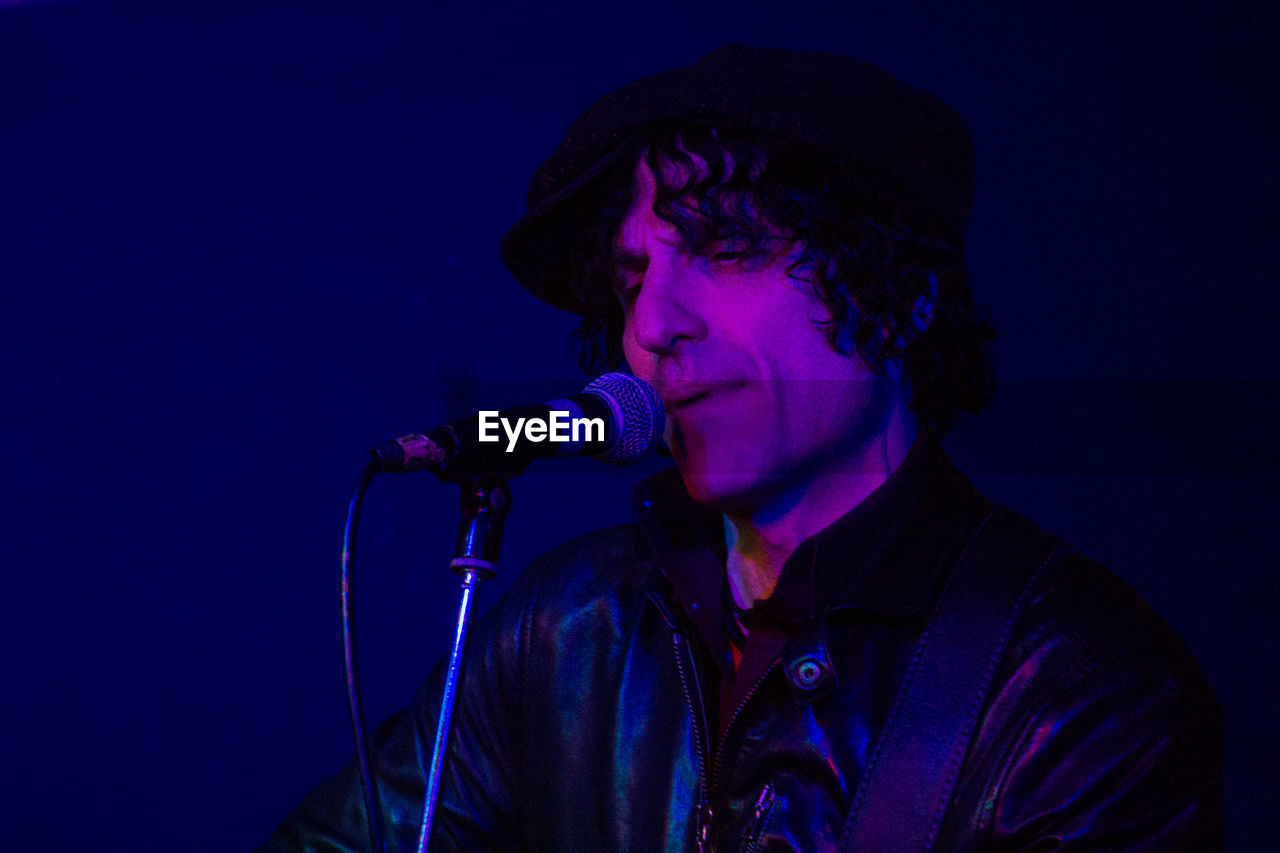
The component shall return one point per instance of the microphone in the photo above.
(617, 419)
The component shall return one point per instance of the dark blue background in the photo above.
(241, 242)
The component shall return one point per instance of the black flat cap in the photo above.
(845, 108)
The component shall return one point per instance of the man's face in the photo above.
(758, 403)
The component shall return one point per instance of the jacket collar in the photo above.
(885, 558)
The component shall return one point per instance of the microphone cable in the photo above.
(372, 811)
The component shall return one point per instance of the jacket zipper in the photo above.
(699, 720)
(705, 813)
(764, 804)
(728, 727)
(699, 735)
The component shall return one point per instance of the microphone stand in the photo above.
(486, 499)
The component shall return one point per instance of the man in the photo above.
(819, 636)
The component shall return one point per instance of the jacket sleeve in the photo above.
(1128, 756)
(476, 806)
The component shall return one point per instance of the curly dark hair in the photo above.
(870, 257)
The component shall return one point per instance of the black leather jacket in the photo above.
(586, 720)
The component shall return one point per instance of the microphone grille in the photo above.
(641, 417)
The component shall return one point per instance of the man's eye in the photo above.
(726, 251)
(728, 256)
(734, 255)
(627, 291)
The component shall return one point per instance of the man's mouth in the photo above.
(684, 394)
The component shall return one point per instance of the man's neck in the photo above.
(759, 543)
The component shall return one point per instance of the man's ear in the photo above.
(922, 311)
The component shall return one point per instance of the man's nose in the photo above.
(666, 309)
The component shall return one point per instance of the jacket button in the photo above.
(808, 672)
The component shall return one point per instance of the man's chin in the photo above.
(728, 493)
(723, 476)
